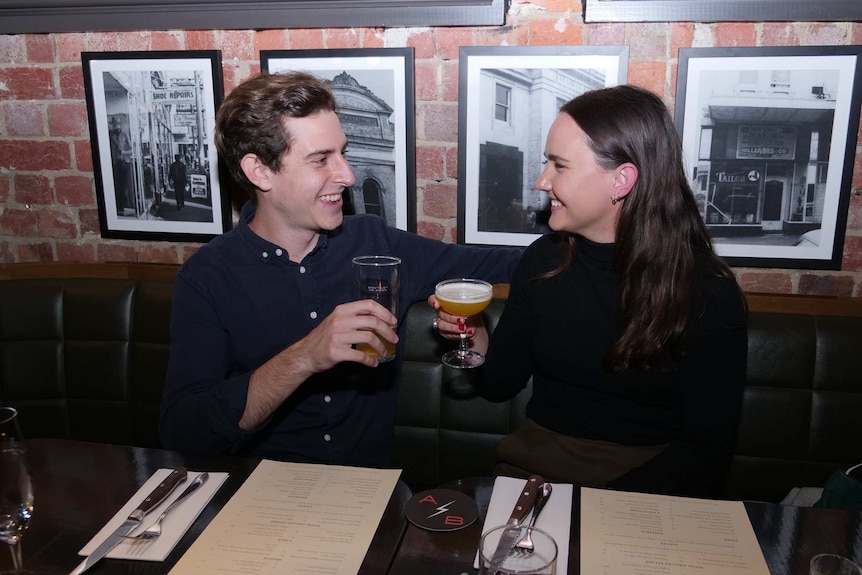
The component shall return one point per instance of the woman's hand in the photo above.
(453, 327)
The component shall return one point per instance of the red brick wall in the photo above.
(47, 194)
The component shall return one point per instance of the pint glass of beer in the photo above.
(378, 278)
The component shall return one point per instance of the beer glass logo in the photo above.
(377, 290)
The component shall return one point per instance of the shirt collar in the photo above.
(263, 250)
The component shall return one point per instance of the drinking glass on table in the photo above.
(465, 298)
(829, 564)
(16, 490)
(378, 278)
(497, 555)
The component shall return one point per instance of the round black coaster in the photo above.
(441, 510)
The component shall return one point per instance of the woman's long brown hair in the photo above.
(660, 232)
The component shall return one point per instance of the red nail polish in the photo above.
(460, 320)
(470, 332)
(461, 328)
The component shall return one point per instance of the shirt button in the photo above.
(327, 398)
(278, 252)
(313, 315)
(302, 269)
(264, 254)
(326, 437)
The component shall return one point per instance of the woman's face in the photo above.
(580, 190)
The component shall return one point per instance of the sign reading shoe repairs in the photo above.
(766, 142)
(174, 95)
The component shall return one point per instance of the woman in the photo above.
(632, 329)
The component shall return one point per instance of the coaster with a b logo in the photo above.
(441, 510)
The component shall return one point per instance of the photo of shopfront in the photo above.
(762, 160)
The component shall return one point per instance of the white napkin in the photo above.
(556, 517)
(173, 526)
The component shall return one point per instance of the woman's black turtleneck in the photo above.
(558, 330)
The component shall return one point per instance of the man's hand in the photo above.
(326, 345)
(350, 323)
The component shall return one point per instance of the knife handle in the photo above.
(159, 494)
(527, 499)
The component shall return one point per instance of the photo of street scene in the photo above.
(158, 162)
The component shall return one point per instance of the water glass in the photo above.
(378, 278)
(16, 489)
(542, 561)
(829, 564)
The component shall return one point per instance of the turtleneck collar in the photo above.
(601, 255)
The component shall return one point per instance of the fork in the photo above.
(525, 543)
(155, 530)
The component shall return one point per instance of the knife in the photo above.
(522, 508)
(152, 501)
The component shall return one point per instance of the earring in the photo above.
(614, 200)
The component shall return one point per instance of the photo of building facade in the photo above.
(366, 119)
(517, 108)
(763, 146)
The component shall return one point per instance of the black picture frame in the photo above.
(723, 11)
(769, 138)
(375, 90)
(146, 110)
(508, 97)
(45, 16)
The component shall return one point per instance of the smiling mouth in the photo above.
(556, 204)
(331, 198)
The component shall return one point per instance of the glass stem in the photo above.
(17, 556)
(462, 345)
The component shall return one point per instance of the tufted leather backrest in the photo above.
(443, 430)
(800, 416)
(85, 358)
(802, 408)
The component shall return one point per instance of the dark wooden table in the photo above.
(79, 486)
(789, 537)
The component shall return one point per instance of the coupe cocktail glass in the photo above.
(465, 298)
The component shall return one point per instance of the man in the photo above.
(150, 184)
(149, 178)
(177, 175)
(263, 332)
(121, 164)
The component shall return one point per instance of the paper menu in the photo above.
(294, 518)
(641, 534)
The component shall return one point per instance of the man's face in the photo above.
(306, 192)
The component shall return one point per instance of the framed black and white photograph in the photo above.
(374, 88)
(508, 99)
(736, 10)
(769, 138)
(151, 117)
